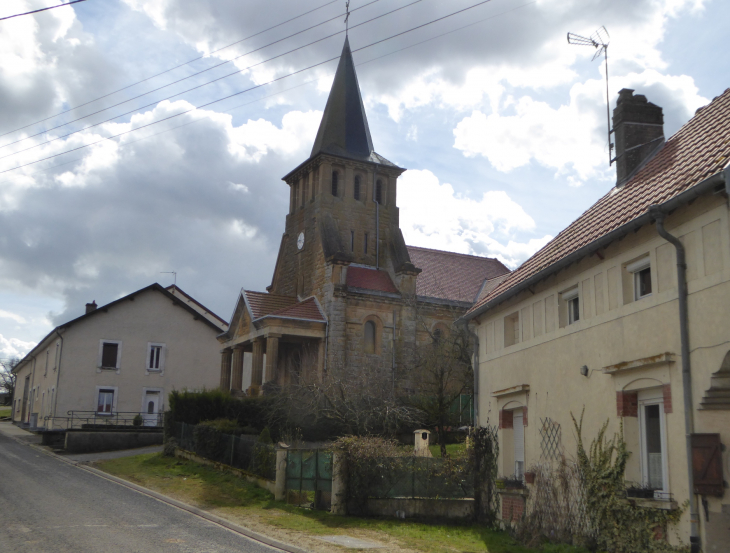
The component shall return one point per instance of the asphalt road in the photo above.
(49, 506)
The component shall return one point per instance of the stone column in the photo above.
(226, 355)
(272, 356)
(237, 369)
(280, 486)
(257, 362)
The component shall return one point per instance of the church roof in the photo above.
(262, 305)
(344, 129)
(453, 276)
(370, 279)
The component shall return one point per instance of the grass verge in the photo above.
(5, 411)
(227, 494)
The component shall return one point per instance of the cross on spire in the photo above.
(347, 17)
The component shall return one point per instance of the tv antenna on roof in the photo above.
(599, 40)
(174, 275)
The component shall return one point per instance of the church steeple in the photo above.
(344, 128)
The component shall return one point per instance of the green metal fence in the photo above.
(243, 452)
(309, 477)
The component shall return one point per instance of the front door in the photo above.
(151, 408)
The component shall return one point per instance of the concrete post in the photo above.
(237, 369)
(257, 362)
(339, 485)
(280, 486)
(272, 357)
(226, 355)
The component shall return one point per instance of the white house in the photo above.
(123, 357)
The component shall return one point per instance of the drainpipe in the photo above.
(58, 375)
(658, 215)
(392, 366)
(377, 220)
(475, 365)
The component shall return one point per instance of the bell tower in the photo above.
(342, 200)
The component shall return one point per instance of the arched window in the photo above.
(335, 178)
(437, 335)
(356, 192)
(379, 191)
(369, 337)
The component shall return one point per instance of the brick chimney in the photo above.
(91, 306)
(638, 127)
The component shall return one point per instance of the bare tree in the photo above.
(7, 378)
(444, 374)
(345, 400)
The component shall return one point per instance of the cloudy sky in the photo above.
(500, 122)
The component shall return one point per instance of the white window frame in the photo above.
(519, 447)
(636, 268)
(115, 397)
(163, 355)
(646, 398)
(571, 297)
(99, 368)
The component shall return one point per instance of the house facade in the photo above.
(346, 291)
(600, 322)
(123, 357)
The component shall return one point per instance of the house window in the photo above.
(653, 441)
(369, 337)
(356, 191)
(365, 244)
(105, 403)
(110, 353)
(572, 305)
(512, 329)
(641, 271)
(335, 179)
(155, 357)
(379, 191)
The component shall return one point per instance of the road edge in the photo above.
(228, 525)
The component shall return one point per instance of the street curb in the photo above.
(170, 501)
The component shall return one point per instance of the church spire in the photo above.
(344, 128)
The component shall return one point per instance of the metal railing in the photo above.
(94, 420)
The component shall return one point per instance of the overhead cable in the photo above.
(173, 68)
(249, 89)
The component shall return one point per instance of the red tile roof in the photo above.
(452, 276)
(370, 279)
(262, 303)
(307, 309)
(700, 149)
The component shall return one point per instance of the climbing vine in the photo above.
(619, 525)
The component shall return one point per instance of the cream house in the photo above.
(123, 357)
(596, 320)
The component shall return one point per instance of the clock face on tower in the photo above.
(300, 241)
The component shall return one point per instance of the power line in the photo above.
(251, 88)
(183, 79)
(171, 69)
(135, 110)
(42, 9)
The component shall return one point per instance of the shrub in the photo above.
(224, 426)
(169, 447)
(196, 407)
(137, 421)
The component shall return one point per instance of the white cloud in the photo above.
(12, 347)
(432, 215)
(8, 315)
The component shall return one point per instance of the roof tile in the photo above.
(452, 276)
(700, 149)
(370, 279)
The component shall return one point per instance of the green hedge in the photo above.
(250, 413)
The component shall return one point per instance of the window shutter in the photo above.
(707, 464)
(519, 439)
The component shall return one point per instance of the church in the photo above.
(346, 291)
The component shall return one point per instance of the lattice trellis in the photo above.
(551, 448)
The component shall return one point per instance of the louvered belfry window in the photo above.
(335, 179)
